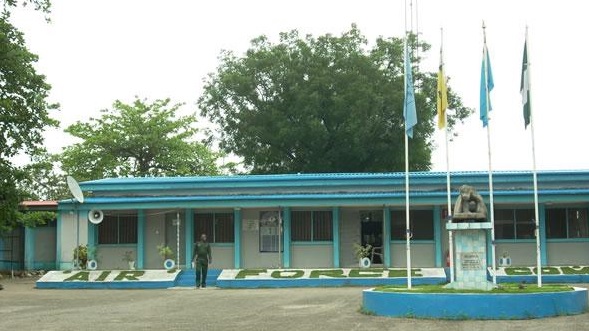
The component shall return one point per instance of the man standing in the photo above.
(202, 257)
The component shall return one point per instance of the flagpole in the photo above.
(407, 222)
(441, 105)
(534, 170)
(494, 266)
(492, 213)
(410, 116)
(450, 233)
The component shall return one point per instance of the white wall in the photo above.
(250, 244)
(522, 254)
(349, 234)
(422, 255)
(561, 253)
(171, 236)
(311, 256)
(111, 256)
(222, 257)
(155, 235)
(71, 235)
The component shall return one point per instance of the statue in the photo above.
(469, 206)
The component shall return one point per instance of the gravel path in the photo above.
(22, 307)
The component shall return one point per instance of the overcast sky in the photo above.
(95, 52)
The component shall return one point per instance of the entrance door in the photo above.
(371, 224)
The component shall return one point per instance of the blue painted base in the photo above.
(105, 285)
(475, 306)
(323, 282)
(186, 278)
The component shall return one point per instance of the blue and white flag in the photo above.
(409, 110)
(486, 86)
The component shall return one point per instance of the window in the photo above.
(118, 228)
(311, 226)
(514, 223)
(269, 231)
(217, 226)
(567, 223)
(421, 225)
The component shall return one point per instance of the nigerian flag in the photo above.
(525, 85)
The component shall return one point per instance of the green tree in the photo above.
(326, 104)
(24, 110)
(43, 6)
(136, 140)
(44, 180)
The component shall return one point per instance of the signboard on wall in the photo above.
(470, 261)
(251, 225)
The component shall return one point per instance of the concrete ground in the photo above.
(22, 307)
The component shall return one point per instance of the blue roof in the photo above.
(329, 189)
(306, 183)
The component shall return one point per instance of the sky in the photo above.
(95, 52)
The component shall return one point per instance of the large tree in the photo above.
(24, 110)
(326, 104)
(44, 180)
(136, 140)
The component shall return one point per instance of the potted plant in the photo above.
(92, 263)
(167, 254)
(505, 260)
(128, 257)
(362, 253)
(80, 256)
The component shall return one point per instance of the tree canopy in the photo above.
(43, 6)
(44, 180)
(136, 140)
(24, 110)
(325, 104)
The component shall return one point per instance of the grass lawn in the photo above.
(506, 288)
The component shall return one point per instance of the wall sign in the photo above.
(470, 261)
(251, 225)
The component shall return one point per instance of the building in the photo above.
(30, 248)
(320, 216)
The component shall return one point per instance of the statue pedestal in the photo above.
(470, 255)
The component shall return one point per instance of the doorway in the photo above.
(371, 225)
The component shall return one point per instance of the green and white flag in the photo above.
(525, 85)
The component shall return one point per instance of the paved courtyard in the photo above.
(22, 307)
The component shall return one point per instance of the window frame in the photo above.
(411, 217)
(567, 226)
(212, 231)
(516, 223)
(131, 216)
(313, 220)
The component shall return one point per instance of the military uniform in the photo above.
(202, 257)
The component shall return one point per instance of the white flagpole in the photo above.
(450, 233)
(492, 213)
(534, 171)
(178, 239)
(407, 222)
(494, 266)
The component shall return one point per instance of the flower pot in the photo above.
(169, 264)
(364, 262)
(505, 262)
(131, 265)
(92, 265)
